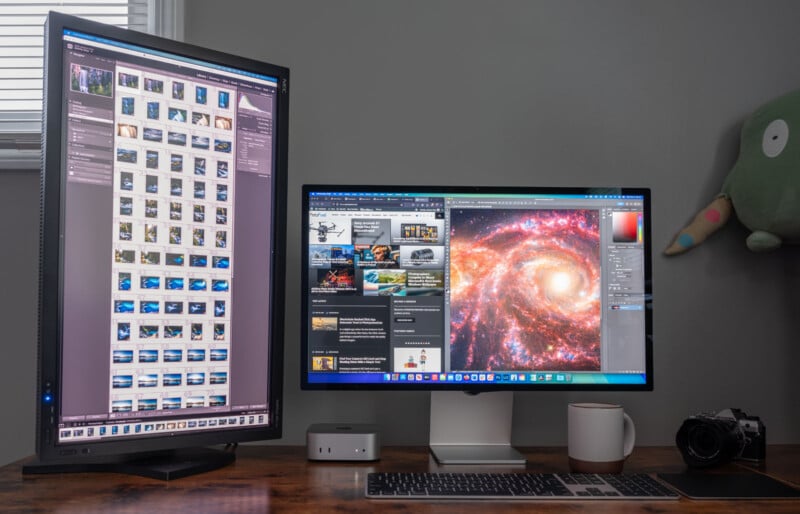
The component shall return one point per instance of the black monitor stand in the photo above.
(168, 465)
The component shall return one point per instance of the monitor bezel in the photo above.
(645, 193)
(48, 448)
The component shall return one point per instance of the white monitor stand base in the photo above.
(473, 429)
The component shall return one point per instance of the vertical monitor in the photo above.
(163, 226)
(476, 288)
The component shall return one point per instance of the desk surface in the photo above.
(279, 478)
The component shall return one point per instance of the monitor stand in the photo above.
(473, 428)
(167, 465)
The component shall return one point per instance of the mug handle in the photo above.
(629, 439)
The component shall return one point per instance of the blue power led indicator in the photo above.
(47, 398)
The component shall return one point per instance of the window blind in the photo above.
(22, 36)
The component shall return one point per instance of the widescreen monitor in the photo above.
(476, 289)
(162, 251)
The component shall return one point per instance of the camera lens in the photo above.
(706, 442)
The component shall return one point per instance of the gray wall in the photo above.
(577, 93)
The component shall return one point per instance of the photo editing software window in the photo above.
(420, 287)
(168, 198)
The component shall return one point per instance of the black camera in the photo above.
(707, 440)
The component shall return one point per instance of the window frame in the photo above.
(21, 132)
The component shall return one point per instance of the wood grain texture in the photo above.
(280, 479)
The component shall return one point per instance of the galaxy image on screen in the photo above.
(525, 289)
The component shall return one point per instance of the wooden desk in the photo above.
(280, 479)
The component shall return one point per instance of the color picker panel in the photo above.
(626, 227)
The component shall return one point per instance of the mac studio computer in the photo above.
(476, 290)
(162, 264)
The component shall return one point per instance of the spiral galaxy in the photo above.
(525, 289)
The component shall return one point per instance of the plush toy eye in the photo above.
(776, 135)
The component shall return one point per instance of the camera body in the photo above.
(706, 440)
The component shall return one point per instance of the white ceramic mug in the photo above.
(600, 437)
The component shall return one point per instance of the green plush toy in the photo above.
(763, 188)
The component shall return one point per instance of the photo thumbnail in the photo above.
(324, 323)
(152, 134)
(151, 207)
(153, 85)
(124, 282)
(223, 99)
(173, 355)
(125, 231)
(201, 142)
(219, 354)
(177, 90)
(127, 130)
(195, 355)
(122, 356)
(222, 169)
(417, 359)
(123, 331)
(222, 145)
(223, 123)
(151, 159)
(149, 282)
(329, 230)
(128, 80)
(126, 181)
(153, 110)
(176, 162)
(171, 403)
(174, 283)
(171, 379)
(176, 187)
(122, 381)
(425, 282)
(173, 307)
(333, 280)
(125, 206)
(176, 115)
(218, 400)
(201, 119)
(146, 404)
(197, 284)
(429, 232)
(323, 363)
(377, 256)
(150, 258)
(219, 335)
(385, 282)
(176, 138)
(197, 332)
(201, 95)
(149, 380)
(127, 156)
(127, 105)
(198, 237)
(195, 401)
(122, 406)
(124, 256)
(175, 214)
(95, 81)
(173, 332)
(221, 262)
(150, 233)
